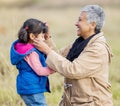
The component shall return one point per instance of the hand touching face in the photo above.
(42, 46)
(41, 36)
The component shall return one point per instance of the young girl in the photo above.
(32, 80)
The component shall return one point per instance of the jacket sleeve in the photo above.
(87, 63)
(33, 60)
(63, 51)
(51, 44)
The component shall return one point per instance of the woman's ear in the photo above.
(32, 36)
(93, 24)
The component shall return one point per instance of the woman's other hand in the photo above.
(47, 35)
(41, 45)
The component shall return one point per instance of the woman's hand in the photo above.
(42, 46)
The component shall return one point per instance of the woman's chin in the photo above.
(78, 34)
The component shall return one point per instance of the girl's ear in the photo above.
(32, 36)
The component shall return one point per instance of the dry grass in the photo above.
(63, 30)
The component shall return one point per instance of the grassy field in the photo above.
(63, 31)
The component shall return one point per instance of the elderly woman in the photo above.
(85, 63)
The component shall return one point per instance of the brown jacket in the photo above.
(86, 78)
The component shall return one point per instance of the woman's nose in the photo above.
(76, 24)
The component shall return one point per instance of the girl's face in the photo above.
(41, 36)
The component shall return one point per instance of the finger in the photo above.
(46, 23)
(36, 40)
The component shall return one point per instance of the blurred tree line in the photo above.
(17, 3)
(56, 3)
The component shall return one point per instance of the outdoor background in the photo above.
(61, 16)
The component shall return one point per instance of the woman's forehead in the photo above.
(82, 14)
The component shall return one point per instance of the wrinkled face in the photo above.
(84, 28)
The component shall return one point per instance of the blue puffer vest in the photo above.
(28, 82)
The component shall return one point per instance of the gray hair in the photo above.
(95, 14)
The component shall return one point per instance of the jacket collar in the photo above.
(99, 38)
(99, 35)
